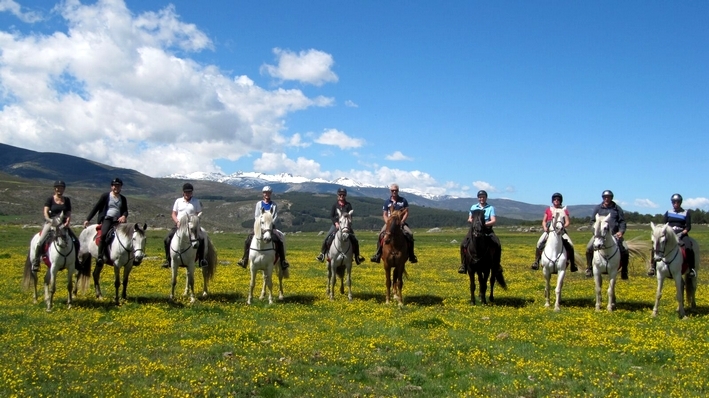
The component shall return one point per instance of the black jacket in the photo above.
(101, 207)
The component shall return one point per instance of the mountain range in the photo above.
(82, 175)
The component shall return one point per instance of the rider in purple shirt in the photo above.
(395, 202)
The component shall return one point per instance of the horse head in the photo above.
(477, 226)
(558, 220)
(138, 243)
(394, 224)
(345, 224)
(194, 228)
(664, 240)
(600, 231)
(263, 226)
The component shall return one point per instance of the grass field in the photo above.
(437, 345)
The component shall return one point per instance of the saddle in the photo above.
(109, 237)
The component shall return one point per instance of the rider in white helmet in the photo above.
(267, 205)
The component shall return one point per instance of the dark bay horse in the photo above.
(395, 252)
(480, 259)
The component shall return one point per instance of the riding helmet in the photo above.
(187, 187)
(607, 192)
(59, 183)
(342, 191)
(557, 195)
(116, 181)
(482, 193)
(267, 189)
(676, 198)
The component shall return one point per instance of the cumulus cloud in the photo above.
(111, 88)
(351, 104)
(484, 185)
(311, 66)
(645, 203)
(297, 141)
(16, 9)
(397, 156)
(696, 203)
(274, 163)
(339, 139)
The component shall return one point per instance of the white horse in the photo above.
(554, 256)
(262, 257)
(669, 259)
(183, 251)
(60, 254)
(606, 257)
(125, 251)
(340, 257)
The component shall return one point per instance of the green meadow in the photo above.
(438, 345)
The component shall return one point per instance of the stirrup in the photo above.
(375, 259)
(574, 268)
(203, 263)
(535, 265)
(320, 257)
(166, 264)
(589, 272)
(413, 259)
(651, 271)
(285, 264)
(242, 263)
(462, 270)
(692, 273)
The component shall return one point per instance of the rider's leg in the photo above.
(166, 243)
(202, 262)
(689, 252)
(40, 247)
(589, 258)
(571, 255)
(497, 260)
(378, 255)
(247, 244)
(326, 243)
(624, 259)
(463, 269)
(281, 250)
(537, 257)
(355, 249)
(653, 264)
(105, 227)
(77, 246)
(410, 236)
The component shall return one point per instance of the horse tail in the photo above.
(500, 278)
(212, 259)
(638, 247)
(83, 276)
(283, 273)
(28, 279)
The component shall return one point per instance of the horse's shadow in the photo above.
(424, 300)
(509, 301)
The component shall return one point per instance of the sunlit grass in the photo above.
(307, 345)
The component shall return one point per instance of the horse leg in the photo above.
(97, 280)
(263, 286)
(190, 282)
(399, 281)
(658, 294)
(116, 282)
(329, 280)
(611, 292)
(547, 286)
(280, 283)
(482, 280)
(492, 285)
(598, 281)
(50, 285)
(559, 285)
(349, 282)
(126, 271)
(690, 287)
(268, 282)
(173, 280)
(679, 285)
(471, 275)
(332, 280)
(205, 286)
(251, 285)
(387, 271)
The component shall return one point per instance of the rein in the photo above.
(676, 250)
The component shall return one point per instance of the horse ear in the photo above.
(652, 225)
(199, 215)
(145, 226)
(136, 226)
(339, 213)
(351, 211)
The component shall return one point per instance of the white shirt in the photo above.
(181, 206)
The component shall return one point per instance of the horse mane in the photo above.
(184, 222)
(125, 229)
(268, 218)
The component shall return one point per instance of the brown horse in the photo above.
(395, 252)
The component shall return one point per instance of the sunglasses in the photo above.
(395, 190)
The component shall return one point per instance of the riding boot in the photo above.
(537, 259)
(281, 250)
(653, 264)
(378, 255)
(462, 269)
(200, 254)
(690, 262)
(36, 259)
(323, 250)
(101, 257)
(245, 258)
(166, 243)
(412, 256)
(624, 260)
(355, 250)
(570, 254)
(589, 261)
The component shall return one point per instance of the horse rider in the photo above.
(112, 209)
(490, 220)
(680, 220)
(395, 202)
(54, 206)
(344, 206)
(278, 239)
(556, 199)
(617, 226)
(192, 206)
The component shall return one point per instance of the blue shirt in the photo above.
(399, 204)
(488, 209)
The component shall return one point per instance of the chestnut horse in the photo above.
(480, 259)
(395, 252)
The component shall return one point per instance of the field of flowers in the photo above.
(307, 345)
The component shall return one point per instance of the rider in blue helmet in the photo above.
(490, 220)
(680, 220)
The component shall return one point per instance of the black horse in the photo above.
(480, 258)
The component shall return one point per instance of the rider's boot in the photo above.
(281, 250)
(200, 255)
(355, 250)
(653, 264)
(589, 260)
(537, 259)
(624, 260)
(462, 269)
(378, 255)
(690, 261)
(571, 255)
(412, 257)
(101, 257)
(323, 250)
(245, 258)
(166, 264)
(35, 260)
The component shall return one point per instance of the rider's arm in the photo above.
(174, 218)
(385, 216)
(405, 210)
(492, 221)
(688, 223)
(567, 219)
(124, 210)
(544, 222)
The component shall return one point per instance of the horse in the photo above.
(340, 257)
(60, 255)
(479, 258)
(554, 256)
(669, 259)
(125, 251)
(395, 253)
(183, 253)
(606, 257)
(262, 255)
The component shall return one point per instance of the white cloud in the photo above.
(111, 89)
(397, 156)
(485, 186)
(645, 203)
(339, 139)
(296, 141)
(16, 9)
(311, 66)
(696, 203)
(273, 163)
(351, 104)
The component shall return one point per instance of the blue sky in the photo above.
(522, 98)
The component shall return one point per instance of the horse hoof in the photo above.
(204, 294)
(557, 309)
(349, 297)
(280, 297)
(547, 305)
